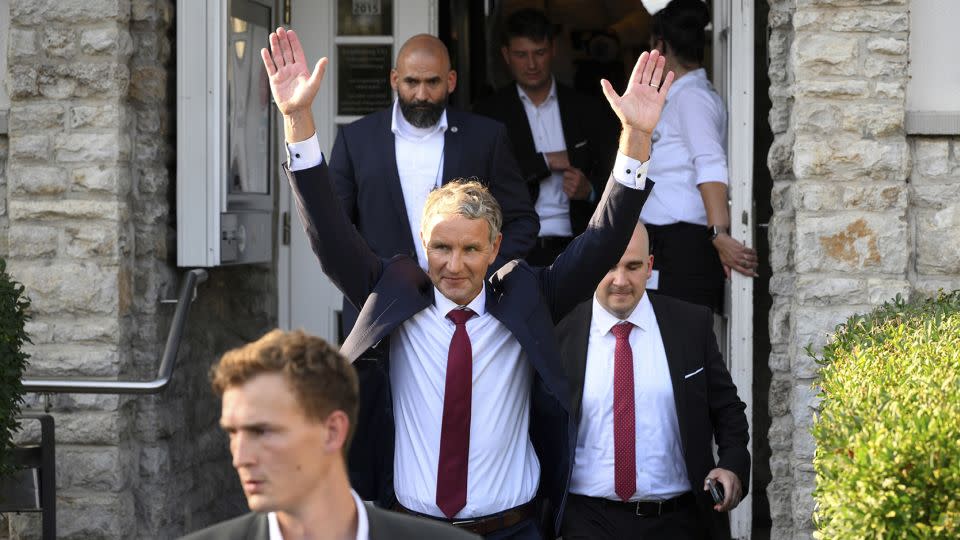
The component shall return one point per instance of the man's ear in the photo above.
(451, 81)
(394, 79)
(650, 267)
(338, 427)
(505, 51)
(496, 248)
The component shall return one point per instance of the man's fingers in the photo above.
(638, 68)
(647, 76)
(275, 51)
(658, 71)
(317, 76)
(665, 87)
(613, 98)
(296, 47)
(267, 62)
(285, 49)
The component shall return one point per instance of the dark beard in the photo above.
(422, 114)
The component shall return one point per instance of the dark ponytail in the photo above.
(680, 26)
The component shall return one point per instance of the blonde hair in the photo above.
(465, 197)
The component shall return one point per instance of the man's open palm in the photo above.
(293, 85)
(640, 105)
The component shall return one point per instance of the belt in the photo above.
(483, 525)
(648, 509)
(553, 242)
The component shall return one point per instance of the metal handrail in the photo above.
(101, 386)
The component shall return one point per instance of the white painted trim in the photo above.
(4, 33)
(363, 40)
(740, 162)
(933, 122)
(201, 144)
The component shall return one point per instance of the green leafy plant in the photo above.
(888, 430)
(13, 318)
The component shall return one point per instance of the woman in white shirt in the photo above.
(687, 214)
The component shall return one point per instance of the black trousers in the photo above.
(588, 518)
(689, 266)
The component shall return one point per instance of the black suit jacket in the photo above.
(590, 131)
(707, 403)
(363, 167)
(384, 525)
(528, 301)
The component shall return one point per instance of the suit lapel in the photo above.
(452, 145)
(519, 124)
(576, 340)
(674, 347)
(391, 174)
(568, 115)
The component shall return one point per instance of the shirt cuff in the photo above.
(630, 172)
(304, 154)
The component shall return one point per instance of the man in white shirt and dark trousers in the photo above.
(471, 421)
(650, 391)
(564, 141)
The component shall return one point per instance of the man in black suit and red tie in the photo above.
(650, 391)
(479, 436)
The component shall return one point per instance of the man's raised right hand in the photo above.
(293, 85)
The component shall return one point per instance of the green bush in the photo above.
(888, 429)
(13, 317)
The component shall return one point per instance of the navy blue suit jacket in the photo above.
(527, 300)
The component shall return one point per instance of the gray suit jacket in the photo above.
(384, 525)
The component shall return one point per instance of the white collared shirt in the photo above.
(689, 148)
(661, 472)
(502, 469)
(363, 522)
(419, 154)
(552, 205)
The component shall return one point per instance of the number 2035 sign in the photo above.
(366, 7)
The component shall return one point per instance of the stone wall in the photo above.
(862, 212)
(90, 228)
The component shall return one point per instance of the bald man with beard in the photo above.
(384, 165)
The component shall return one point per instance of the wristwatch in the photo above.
(713, 231)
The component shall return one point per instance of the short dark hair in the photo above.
(681, 27)
(529, 23)
(322, 380)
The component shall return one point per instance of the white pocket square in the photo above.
(688, 375)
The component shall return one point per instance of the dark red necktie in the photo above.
(624, 429)
(455, 430)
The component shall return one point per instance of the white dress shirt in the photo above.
(502, 469)
(363, 522)
(689, 148)
(661, 472)
(420, 165)
(552, 205)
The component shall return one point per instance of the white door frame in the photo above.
(306, 298)
(733, 65)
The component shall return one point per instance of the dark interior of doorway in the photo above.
(462, 26)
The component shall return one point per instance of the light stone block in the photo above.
(852, 88)
(852, 242)
(70, 287)
(67, 208)
(90, 147)
(932, 156)
(816, 157)
(21, 43)
(885, 67)
(32, 241)
(37, 180)
(39, 12)
(92, 241)
(111, 40)
(933, 196)
(873, 119)
(111, 115)
(816, 116)
(30, 147)
(938, 240)
(102, 178)
(59, 42)
(103, 469)
(874, 197)
(825, 54)
(887, 45)
(30, 118)
(814, 326)
(815, 290)
(781, 433)
(22, 81)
